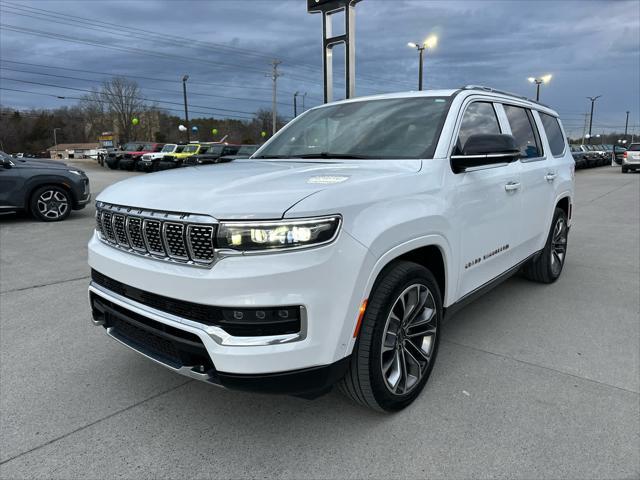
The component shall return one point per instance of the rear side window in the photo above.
(554, 133)
(634, 147)
(524, 131)
(479, 117)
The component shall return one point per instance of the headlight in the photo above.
(76, 172)
(280, 234)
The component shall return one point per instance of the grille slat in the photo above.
(174, 240)
(163, 235)
(119, 230)
(200, 241)
(152, 233)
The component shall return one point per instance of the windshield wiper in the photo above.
(331, 155)
(272, 156)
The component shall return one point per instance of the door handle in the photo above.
(551, 176)
(512, 186)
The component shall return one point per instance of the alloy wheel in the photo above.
(558, 245)
(52, 204)
(408, 339)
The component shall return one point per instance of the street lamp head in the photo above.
(531, 79)
(185, 78)
(431, 41)
(412, 45)
(546, 78)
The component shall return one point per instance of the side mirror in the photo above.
(485, 149)
(6, 163)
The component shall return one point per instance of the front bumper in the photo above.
(328, 282)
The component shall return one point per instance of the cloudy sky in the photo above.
(226, 46)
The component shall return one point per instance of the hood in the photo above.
(245, 189)
(41, 163)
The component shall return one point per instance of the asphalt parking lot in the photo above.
(532, 381)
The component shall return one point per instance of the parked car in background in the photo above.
(618, 153)
(211, 154)
(176, 159)
(149, 161)
(245, 151)
(631, 158)
(47, 189)
(130, 159)
(114, 157)
(579, 156)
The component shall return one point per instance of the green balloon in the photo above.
(135, 121)
(263, 134)
(214, 131)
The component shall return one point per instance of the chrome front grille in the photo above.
(173, 237)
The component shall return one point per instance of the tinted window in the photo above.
(554, 133)
(634, 147)
(479, 117)
(523, 131)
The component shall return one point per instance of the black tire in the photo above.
(365, 381)
(625, 169)
(50, 203)
(548, 265)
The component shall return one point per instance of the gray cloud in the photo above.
(591, 48)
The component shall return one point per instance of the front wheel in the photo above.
(398, 342)
(50, 203)
(547, 266)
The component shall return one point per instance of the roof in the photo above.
(468, 89)
(74, 146)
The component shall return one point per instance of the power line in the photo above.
(164, 37)
(142, 99)
(148, 88)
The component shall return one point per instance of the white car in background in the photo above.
(149, 161)
(333, 255)
(631, 158)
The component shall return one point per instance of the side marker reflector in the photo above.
(363, 308)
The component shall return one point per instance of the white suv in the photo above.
(335, 252)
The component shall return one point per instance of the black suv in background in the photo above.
(211, 154)
(47, 189)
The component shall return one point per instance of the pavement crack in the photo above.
(561, 372)
(95, 422)
(611, 191)
(84, 277)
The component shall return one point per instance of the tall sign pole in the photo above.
(328, 8)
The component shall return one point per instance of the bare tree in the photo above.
(123, 100)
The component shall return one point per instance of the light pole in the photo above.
(303, 97)
(626, 125)
(593, 101)
(430, 43)
(539, 81)
(295, 104)
(186, 111)
(55, 140)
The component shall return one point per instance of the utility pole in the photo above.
(593, 101)
(55, 140)
(303, 97)
(186, 111)
(584, 127)
(626, 125)
(274, 76)
(295, 104)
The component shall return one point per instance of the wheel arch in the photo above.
(45, 182)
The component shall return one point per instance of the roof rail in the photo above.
(501, 92)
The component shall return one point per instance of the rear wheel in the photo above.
(396, 350)
(625, 169)
(50, 203)
(547, 267)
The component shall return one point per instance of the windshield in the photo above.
(168, 148)
(214, 150)
(391, 128)
(191, 148)
(179, 149)
(132, 147)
